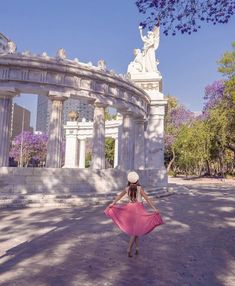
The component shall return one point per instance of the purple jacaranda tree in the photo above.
(214, 93)
(180, 115)
(184, 16)
(34, 146)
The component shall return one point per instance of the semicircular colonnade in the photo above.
(137, 98)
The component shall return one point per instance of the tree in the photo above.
(227, 68)
(184, 16)
(192, 147)
(177, 116)
(34, 147)
(109, 151)
(108, 116)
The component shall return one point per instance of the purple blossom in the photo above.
(34, 146)
(213, 94)
(180, 115)
(184, 16)
(169, 140)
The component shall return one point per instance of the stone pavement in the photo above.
(81, 247)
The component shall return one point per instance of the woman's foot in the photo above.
(129, 253)
(137, 251)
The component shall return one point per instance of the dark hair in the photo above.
(132, 190)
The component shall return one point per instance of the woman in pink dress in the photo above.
(132, 218)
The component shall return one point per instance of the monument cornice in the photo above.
(39, 74)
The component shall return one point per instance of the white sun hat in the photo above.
(133, 177)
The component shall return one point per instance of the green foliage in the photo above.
(109, 150)
(227, 68)
(206, 144)
(88, 159)
(192, 147)
(108, 116)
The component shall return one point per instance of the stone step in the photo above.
(66, 200)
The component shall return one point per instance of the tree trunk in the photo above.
(171, 161)
(208, 167)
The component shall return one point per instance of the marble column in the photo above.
(82, 152)
(54, 145)
(127, 142)
(98, 150)
(139, 157)
(115, 163)
(5, 126)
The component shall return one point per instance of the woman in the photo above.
(132, 218)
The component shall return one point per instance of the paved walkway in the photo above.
(80, 246)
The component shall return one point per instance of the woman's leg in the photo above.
(131, 242)
(137, 244)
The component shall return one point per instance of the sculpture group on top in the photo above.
(145, 61)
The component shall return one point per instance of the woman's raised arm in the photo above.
(148, 200)
(118, 197)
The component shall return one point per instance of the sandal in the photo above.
(129, 254)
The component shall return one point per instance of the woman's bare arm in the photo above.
(141, 34)
(148, 200)
(118, 197)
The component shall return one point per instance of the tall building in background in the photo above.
(3, 43)
(44, 109)
(17, 123)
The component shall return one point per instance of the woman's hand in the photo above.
(111, 205)
(157, 211)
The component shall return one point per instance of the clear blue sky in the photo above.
(108, 29)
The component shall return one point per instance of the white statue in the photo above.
(136, 66)
(61, 55)
(11, 47)
(102, 65)
(151, 43)
(45, 55)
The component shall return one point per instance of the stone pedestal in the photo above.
(54, 145)
(71, 145)
(151, 83)
(155, 135)
(5, 124)
(98, 150)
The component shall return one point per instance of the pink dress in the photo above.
(132, 218)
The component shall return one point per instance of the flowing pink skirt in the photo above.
(133, 219)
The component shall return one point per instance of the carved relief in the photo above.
(99, 87)
(77, 82)
(4, 73)
(113, 90)
(86, 84)
(15, 74)
(53, 78)
(35, 75)
(68, 80)
(25, 75)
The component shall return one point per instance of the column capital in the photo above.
(100, 104)
(159, 102)
(7, 92)
(57, 95)
(140, 119)
(127, 112)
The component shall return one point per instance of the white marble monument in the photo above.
(138, 99)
